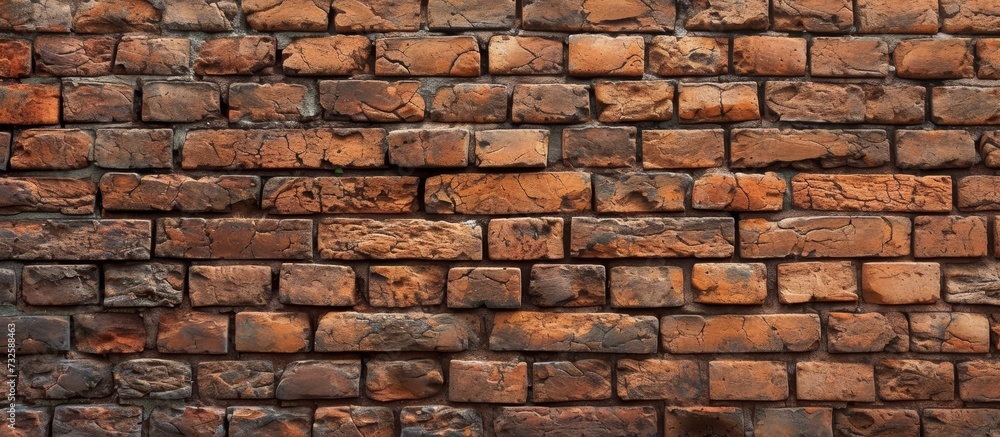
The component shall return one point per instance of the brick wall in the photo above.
(501, 218)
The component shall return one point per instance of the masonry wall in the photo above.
(500, 218)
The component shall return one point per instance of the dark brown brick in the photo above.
(388, 381)
(268, 102)
(835, 16)
(429, 148)
(810, 421)
(867, 332)
(939, 332)
(470, 103)
(490, 287)
(440, 420)
(320, 379)
(97, 102)
(704, 421)
(533, 421)
(39, 334)
(715, 16)
(550, 104)
(751, 148)
(495, 382)
(567, 285)
(641, 192)
(368, 421)
(246, 379)
(196, 421)
(608, 147)
(277, 421)
(335, 55)
(364, 194)
(53, 378)
(151, 378)
(193, 333)
(75, 239)
(876, 422)
(96, 420)
(60, 285)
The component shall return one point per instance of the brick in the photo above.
(573, 332)
(399, 239)
(335, 55)
(889, 16)
(152, 378)
(869, 192)
(748, 380)
(512, 148)
(823, 237)
(288, 422)
(287, 15)
(466, 14)
(675, 381)
(44, 16)
(470, 103)
(560, 381)
(810, 421)
(760, 333)
(646, 286)
(75, 239)
(440, 420)
(933, 59)
(689, 148)
(550, 104)
(53, 378)
(964, 105)
(978, 381)
(988, 58)
(560, 285)
(717, 102)
(348, 194)
(754, 148)
(51, 149)
(769, 56)
(849, 57)
(601, 55)
(914, 380)
(74, 55)
(39, 334)
(619, 102)
(16, 54)
(739, 192)
(117, 16)
(193, 333)
(600, 16)
(949, 333)
(815, 102)
(525, 238)
(8, 287)
(229, 285)
(429, 148)
(490, 287)
(533, 421)
(651, 237)
(813, 16)
(268, 102)
(525, 55)
(104, 333)
(96, 420)
(729, 283)
(62, 195)
(198, 421)
(941, 422)
(200, 15)
(894, 104)
(4, 149)
(827, 381)
(316, 285)
(133, 148)
(704, 421)
(874, 422)
(963, 17)
(456, 56)
(388, 381)
(641, 192)
(371, 101)
(320, 379)
(235, 55)
(743, 15)
(949, 236)
(368, 421)
(232, 238)
(60, 285)
(320, 148)
(935, 149)
(609, 147)
(376, 16)
(374, 332)
(132, 192)
(406, 286)
(148, 55)
(901, 283)
(245, 379)
(143, 285)
(688, 56)
(29, 422)
(180, 102)
(97, 102)
(971, 283)
(495, 382)
(989, 145)
(867, 332)
(507, 193)
(29, 103)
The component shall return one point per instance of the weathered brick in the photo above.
(354, 420)
(598, 16)
(945, 422)
(320, 148)
(39, 334)
(235, 55)
(116, 16)
(599, 146)
(810, 421)
(922, 149)
(467, 14)
(371, 101)
(670, 149)
(74, 55)
(811, 147)
(60, 285)
(134, 148)
(869, 192)
(525, 238)
(193, 333)
(815, 102)
(44, 16)
(233, 238)
(915, 380)
(399, 239)
(29, 422)
(688, 56)
(894, 104)
(180, 102)
(429, 148)
(819, 16)
(97, 102)
(550, 104)
(245, 379)
(96, 420)
(406, 286)
(294, 15)
(29, 103)
(573, 332)
(285, 422)
(949, 333)
(16, 58)
(949, 236)
(675, 381)
(374, 332)
(717, 102)
(890, 16)
(830, 381)
(51, 149)
(62, 195)
(4, 149)
(196, 421)
(132, 192)
(989, 145)
(560, 381)
(867, 332)
(988, 58)
(142, 54)
(972, 283)
(151, 378)
(933, 59)
(268, 102)
(739, 192)
(978, 381)
(965, 105)
(641, 192)
(562, 285)
(651, 237)
(760, 333)
(507, 193)
(200, 15)
(729, 283)
(602, 55)
(8, 287)
(646, 286)
(704, 421)
(335, 55)
(320, 379)
(533, 421)
(848, 57)
(769, 56)
(470, 103)
(525, 55)
(347, 194)
(229, 285)
(75, 239)
(619, 102)
(387, 381)
(748, 380)
(496, 382)
(969, 17)
(376, 16)
(103, 333)
(821, 237)
(317, 285)
(875, 422)
(901, 283)
(54, 378)
(512, 148)
(716, 16)
(490, 287)
(440, 420)
(428, 56)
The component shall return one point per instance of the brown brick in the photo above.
(440, 420)
(399, 239)
(894, 104)
(427, 56)
(601, 55)
(96, 420)
(819, 16)
(974, 283)
(969, 17)
(824, 148)
(495, 382)
(527, 55)
(823, 237)
(62, 195)
(988, 58)
(245, 379)
(729, 284)
(965, 105)
(371, 101)
(651, 237)
(646, 286)
(949, 333)
(550, 104)
(229, 285)
(29, 422)
(273, 332)
(131, 192)
(619, 102)
(608, 147)
(748, 380)
(915, 380)
(810, 421)
(316, 284)
(490, 287)
(933, 59)
(335, 55)
(467, 14)
(694, 334)
(949, 236)
(199, 421)
(891, 16)
(989, 145)
(534, 421)
(105, 333)
(470, 103)
(4, 149)
(134, 148)
(370, 421)
(704, 421)
(565, 285)
(8, 287)
(848, 56)
(978, 381)
(288, 15)
(675, 381)
(320, 379)
(406, 286)
(51, 149)
(15, 58)
(935, 149)
(670, 149)
(869, 192)
(200, 15)
(321, 148)
(193, 333)
(598, 16)
(388, 381)
(815, 102)
(75, 239)
(180, 102)
(715, 16)
(507, 193)
(346, 194)
(876, 422)
(74, 55)
(97, 102)
(769, 56)
(233, 238)
(60, 285)
(250, 421)
(151, 378)
(143, 285)
(942, 422)
(901, 283)
(559, 381)
(268, 102)
(717, 102)
(376, 16)
(429, 148)
(116, 16)
(641, 192)
(739, 192)
(867, 332)
(525, 238)
(235, 55)
(512, 148)
(688, 56)
(55, 378)
(141, 54)
(827, 381)
(573, 332)
(38, 334)
(374, 332)
(29, 103)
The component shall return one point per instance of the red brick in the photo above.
(646, 287)
(573, 332)
(567, 285)
(915, 380)
(193, 333)
(820, 16)
(469, 14)
(769, 56)
(319, 148)
(870, 192)
(739, 192)
(634, 101)
(922, 149)
(287, 15)
(229, 285)
(849, 57)
(675, 381)
(116, 16)
(428, 56)
(659, 237)
(51, 149)
(353, 16)
(429, 148)
(130, 192)
(748, 380)
(598, 16)
(335, 55)
(470, 103)
(181, 102)
(715, 16)
(97, 102)
(134, 148)
(717, 102)
(988, 58)
(268, 102)
(969, 17)
(829, 381)
(525, 238)
(490, 287)
(353, 239)
(507, 193)
(826, 148)
(821, 237)
(371, 100)
(44, 16)
(729, 284)
(75, 239)
(901, 283)
(891, 16)
(406, 286)
(399, 332)
(688, 56)
(495, 382)
(894, 104)
(560, 381)
(235, 55)
(689, 148)
(550, 104)
(200, 15)
(814, 102)
(401, 380)
(965, 105)
(273, 333)
(512, 148)
(15, 58)
(317, 284)
(810, 421)
(525, 55)
(74, 55)
(29, 103)
(956, 332)
(949, 236)
(233, 238)
(601, 55)
(933, 59)
(345, 194)
(641, 192)
(150, 378)
(141, 54)
(60, 285)
(63, 195)
(867, 332)
(978, 381)
(108, 333)
(692, 334)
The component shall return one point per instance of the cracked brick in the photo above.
(233, 238)
(353, 239)
(573, 332)
(809, 148)
(429, 56)
(132, 192)
(382, 332)
(319, 148)
(508, 193)
(692, 334)
(657, 237)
